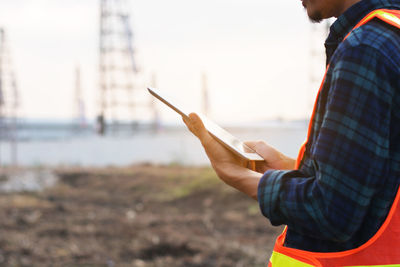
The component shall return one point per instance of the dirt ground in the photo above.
(134, 216)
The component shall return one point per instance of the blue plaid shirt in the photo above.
(350, 172)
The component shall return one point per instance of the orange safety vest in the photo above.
(383, 249)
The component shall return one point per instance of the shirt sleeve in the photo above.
(347, 159)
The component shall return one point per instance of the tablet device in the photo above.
(221, 135)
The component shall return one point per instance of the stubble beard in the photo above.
(315, 17)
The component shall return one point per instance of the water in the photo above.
(170, 146)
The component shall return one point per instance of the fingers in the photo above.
(251, 164)
(257, 166)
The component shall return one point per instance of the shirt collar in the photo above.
(346, 22)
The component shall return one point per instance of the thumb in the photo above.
(199, 129)
(250, 144)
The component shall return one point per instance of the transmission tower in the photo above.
(80, 114)
(119, 97)
(8, 98)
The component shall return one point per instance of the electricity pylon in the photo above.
(9, 98)
(120, 98)
(79, 103)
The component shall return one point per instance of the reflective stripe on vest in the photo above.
(383, 249)
(279, 259)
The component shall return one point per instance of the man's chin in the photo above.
(314, 17)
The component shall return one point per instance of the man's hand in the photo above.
(229, 167)
(273, 158)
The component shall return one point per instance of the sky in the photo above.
(255, 53)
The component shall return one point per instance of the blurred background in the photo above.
(74, 107)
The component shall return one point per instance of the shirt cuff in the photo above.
(268, 191)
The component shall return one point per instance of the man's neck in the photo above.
(346, 5)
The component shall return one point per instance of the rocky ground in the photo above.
(134, 216)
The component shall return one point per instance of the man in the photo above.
(339, 194)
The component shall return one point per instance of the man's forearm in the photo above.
(245, 181)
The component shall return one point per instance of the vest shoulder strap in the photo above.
(391, 17)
